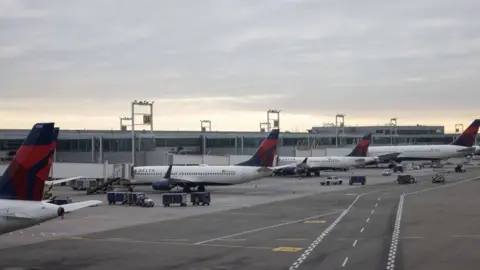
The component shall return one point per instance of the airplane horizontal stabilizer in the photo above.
(79, 205)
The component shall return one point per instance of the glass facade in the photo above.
(150, 144)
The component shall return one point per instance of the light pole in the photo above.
(204, 124)
(147, 119)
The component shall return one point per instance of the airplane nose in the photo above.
(60, 211)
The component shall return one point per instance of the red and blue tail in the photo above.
(24, 179)
(468, 136)
(265, 153)
(361, 149)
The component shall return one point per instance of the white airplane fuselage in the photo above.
(205, 175)
(419, 152)
(334, 162)
(17, 215)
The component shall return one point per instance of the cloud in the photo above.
(311, 59)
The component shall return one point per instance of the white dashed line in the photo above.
(362, 229)
(345, 262)
(354, 243)
(368, 219)
(376, 204)
(378, 198)
(372, 211)
(317, 241)
(396, 232)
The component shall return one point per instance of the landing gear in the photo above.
(317, 173)
(201, 188)
(130, 188)
(187, 189)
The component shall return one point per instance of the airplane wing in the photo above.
(467, 150)
(79, 205)
(303, 163)
(59, 181)
(389, 156)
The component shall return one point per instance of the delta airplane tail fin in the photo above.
(361, 149)
(467, 139)
(24, 178)
(265, 153)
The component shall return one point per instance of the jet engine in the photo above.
(162, 185)
(60, 211)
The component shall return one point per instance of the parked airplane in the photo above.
(461, 147)
(187, 177)
(357, 157)
(22, 184)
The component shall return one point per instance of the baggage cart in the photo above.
(197, 198)
(174, 198)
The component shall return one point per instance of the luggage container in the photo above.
(197, 198)
(174, 198)
(116, 197)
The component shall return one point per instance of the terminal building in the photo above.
(152, 148)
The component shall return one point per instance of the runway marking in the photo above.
(362, 229)
(167, 243)
(376, 204)
(287, 249)
(466, 236)
(315, 221)
(354, 243)
(292, 239)
(317, 241)
(266, 228)
(442, 186)
(368, 219)
(372, 211)
(395, 234)
(378, 199)
(411, 237)
(345, 262)
(232, 239)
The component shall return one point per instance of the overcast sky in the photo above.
(80, 63)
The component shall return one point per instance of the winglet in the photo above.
(168, 174)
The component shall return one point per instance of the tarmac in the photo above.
(274, 223)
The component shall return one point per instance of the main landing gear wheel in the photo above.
(201, 188)
(186, 190)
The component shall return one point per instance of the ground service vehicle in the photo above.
(438, 178)
(174, 198)
(386, 172)
(406, 179)
(130, 198)
(460, 168)
(331, 180)
(357, 179)
(198, 198)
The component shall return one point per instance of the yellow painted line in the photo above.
(315, 221)
(287, 249)
(291, 239)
